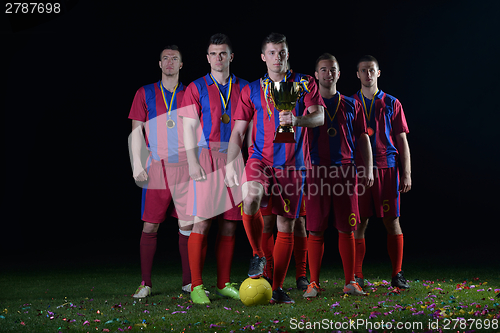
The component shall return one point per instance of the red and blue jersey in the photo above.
(149, 107)
(348, 124)
(203, 101)
(252, 106)
(387, 120)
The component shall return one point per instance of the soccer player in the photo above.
(276, 169)
(154, 110)
(332, 180)
(208, 107)
(391, 160)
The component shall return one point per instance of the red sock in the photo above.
(282, 254)
(254, 225)
(183, 250)
(360, 255)
(347, 253)
(224, 254)
(300, 255)
(197, 250)
(148, 250)
(395, 249)
(315, 250)
(268, 248)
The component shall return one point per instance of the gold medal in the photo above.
(225, 118)
(331, 132)
(370, 131)
(170, 123)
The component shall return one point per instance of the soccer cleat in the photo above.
(360, 281)
(142, 291)
(302, 283)
(312, 290)
(229, 291)
(353, 289)
(257, 265)
(198, 295)
(279, 296)
(187, 289)
(399, 281)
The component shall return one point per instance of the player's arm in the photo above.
(196, 172)
(233, 150)
(365, 150)
(314, 118)
(137, 138)
(405, 165)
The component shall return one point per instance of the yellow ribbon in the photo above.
(169, 106)
(368, 115)
(225, 101)
(336, 109)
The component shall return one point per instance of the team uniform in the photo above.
(385, 119)
(332, 183)
(165, 193)
(333, 170)
(203, 101)
(167, 161)
(279, 167)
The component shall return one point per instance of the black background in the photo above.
(68, 81)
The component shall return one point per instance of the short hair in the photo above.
(220, 39)
(273, 38)
(324, 56)
(367, 57)
(171, 47)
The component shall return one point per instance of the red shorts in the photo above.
(211, 197)
(284, 186)
(332, 187)
(165, 193)
(268, 210)
(382, 198)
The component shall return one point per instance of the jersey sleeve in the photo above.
(191, 106)
(245, 109)
(139, 109)
(399, 124)
(359, 120)
(313, 97)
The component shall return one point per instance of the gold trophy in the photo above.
(285, 95)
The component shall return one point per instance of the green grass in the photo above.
(96, 298)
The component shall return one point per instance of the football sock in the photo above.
(197, 250)
(300, 255)
(224, 253)
(183, 250)
(268, 248)
(346, 249)
(315, 250)
(282, 254)
(147, 251)
(395, 249)
(254, 225)
(360, 255)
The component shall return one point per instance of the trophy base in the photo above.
(284, 137)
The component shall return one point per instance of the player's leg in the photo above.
(282, 255)
(268, 242)
(197, 250)
(395, 243)
(147, 252)
(185, 228)
(253, 223)
(360, 245)
(315, 251)
(300, 252)
(224, 254)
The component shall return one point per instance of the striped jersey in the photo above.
(385, 120)
(149, 107)
(205, 100)
(334, 143)
(252, 106)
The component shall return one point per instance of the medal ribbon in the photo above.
(225, 101)
(266, 81)
(336, 109)
(169, 106)
(368, 115)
